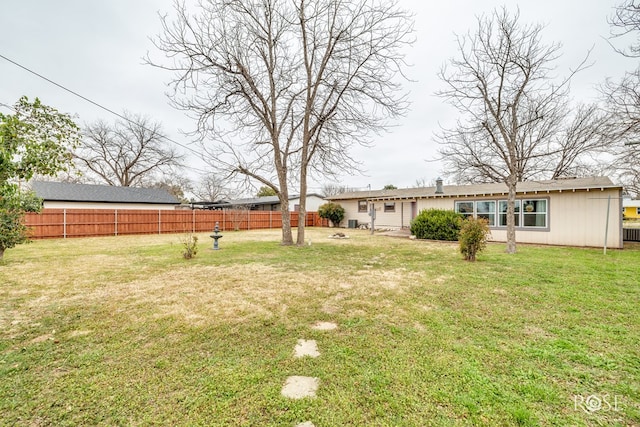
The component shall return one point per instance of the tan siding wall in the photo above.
(576, 219)
(445, 203)
(351, 212)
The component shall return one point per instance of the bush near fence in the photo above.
(63, 223)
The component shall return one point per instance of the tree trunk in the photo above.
(302, 212)
(287, 236)
(511, 220)
(1, 253)
(283, 195)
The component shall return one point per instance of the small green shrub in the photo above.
(190, 246)
(333, 212)
(437, 224)
(473, 237)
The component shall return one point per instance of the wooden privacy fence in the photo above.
(57, 223)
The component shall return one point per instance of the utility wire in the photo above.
(186, 147)
(2, 104)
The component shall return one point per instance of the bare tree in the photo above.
(330, 189)
(286, 88)
(238, 215)
(211, 188)
(625, 21)
(578, 147)
(176, 185)
(622, 100)
(512, 109)
(128, 153)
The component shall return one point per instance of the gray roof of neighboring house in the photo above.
(66, 192)
(266, 200)
(254, 201)
(481, 189)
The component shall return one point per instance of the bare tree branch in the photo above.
(513, 108)
(283, 89)
(622, 100)
(127, 153)
(625, 21)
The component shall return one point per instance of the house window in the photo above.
(389, 207)
(502, 207)
(637, 211)
(486, 209)
(465, 208)
(531, 213)
(362, 206)
(534, 213)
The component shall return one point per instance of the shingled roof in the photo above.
(65, 192)
(477, 190)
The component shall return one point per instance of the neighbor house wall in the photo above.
(312, 204)
(351, 212)
(97, 205)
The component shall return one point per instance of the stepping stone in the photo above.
(306, 348)
(297, 387)
(324, 326)
(305, 424)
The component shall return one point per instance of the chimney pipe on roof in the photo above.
(439, 189)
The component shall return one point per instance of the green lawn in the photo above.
(123, 331)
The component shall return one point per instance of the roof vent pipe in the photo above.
(439, 189)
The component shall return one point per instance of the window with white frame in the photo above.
(465, 208)
(362, 206)
(389, 207)
(529, 213)
(502, 207)
(486, 209)
(534, 213)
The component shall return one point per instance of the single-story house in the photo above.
(631, 209)
(266, 203)
(569, 212)
(63, 195)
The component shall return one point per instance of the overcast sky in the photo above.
(95, 48)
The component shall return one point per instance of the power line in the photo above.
(2, 104)
(186, 147)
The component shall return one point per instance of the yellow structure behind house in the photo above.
(631, 209)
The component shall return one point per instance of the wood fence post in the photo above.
(159, 222)
(116, 222)
(64, 223)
